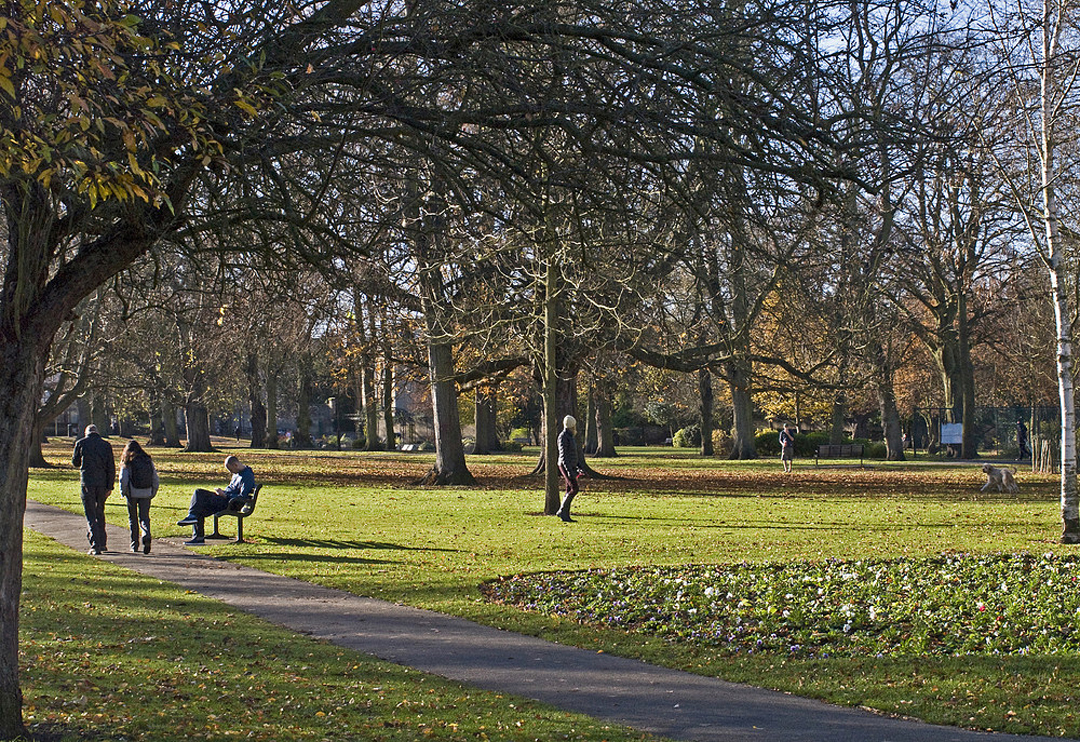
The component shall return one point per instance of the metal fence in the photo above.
(996, 428)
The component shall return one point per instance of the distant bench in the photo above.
(839, 451)
(239, 508)
(410, 447)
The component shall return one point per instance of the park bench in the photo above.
(410, 447)
(239, 508)
(839, 451)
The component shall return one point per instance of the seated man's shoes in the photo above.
(196, 541)
(188, 521)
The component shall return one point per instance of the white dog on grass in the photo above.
(1001, 478)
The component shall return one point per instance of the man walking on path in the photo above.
(97, 472)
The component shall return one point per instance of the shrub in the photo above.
(722, 442)
(688, 437)
(767, 443)
(806, 444)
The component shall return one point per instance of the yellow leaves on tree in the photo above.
(87, 108)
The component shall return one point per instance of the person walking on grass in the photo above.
(97, 472)
(787, 446)
(205, 502)
(138, 484)
(568, 466)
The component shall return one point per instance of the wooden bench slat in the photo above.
(840, 451)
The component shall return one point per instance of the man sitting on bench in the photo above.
(205, 502)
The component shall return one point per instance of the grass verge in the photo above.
(352, 521)
(112, 655)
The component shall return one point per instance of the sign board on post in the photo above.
(952, 433)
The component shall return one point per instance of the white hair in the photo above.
(569, 422)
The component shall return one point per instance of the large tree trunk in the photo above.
(127, 427)
(590, 442)
(484, 415)
(157, 426)
(37, 455)
(450, 466)
(22, 372)
(705, 411)
(388, 402)
(890, 417)
(742, 404)
(838, 419)
(739, 369)
(197, 419)
(99, 413)
(605, 434)
(303, 439)
(168, 420)
(258, 409)
(371, 409)
(35, 298)
(371, 390)
(272, 440)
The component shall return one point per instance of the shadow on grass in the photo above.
(780, 525)
(312, 557)
(315, 543)
(58, 732)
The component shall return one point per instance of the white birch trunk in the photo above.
(1070, 507)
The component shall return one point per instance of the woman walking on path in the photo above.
(138, 484)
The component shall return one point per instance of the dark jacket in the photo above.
(568, 452)
(94, 457)
(242, 484)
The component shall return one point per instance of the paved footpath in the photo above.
(669, 703)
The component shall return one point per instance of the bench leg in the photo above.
(239, 530)
(216, 534)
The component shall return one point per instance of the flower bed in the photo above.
(951, 605)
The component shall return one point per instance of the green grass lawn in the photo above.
(354, 521)
(113, 655)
